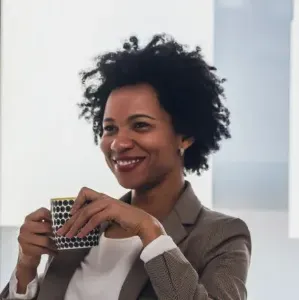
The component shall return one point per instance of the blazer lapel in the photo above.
(185, 211)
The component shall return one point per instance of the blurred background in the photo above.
(46, 152)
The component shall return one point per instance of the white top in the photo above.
(104, 270)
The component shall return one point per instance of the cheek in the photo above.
(163, 150)
(168, 154)
(104, 146)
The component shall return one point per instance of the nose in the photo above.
(121, 144)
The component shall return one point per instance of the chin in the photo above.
(141, 184)
(130, 183)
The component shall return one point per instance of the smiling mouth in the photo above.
(127, 165)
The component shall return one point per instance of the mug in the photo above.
(60, 211)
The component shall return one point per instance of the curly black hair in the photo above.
(187, 88)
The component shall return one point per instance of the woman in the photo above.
(159, 113)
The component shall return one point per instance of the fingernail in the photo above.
(80, 234)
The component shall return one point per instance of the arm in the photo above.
(34, 241)
(224, 272)
(10, 290)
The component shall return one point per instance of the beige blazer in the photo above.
(210, 262)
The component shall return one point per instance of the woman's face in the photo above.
(139, 142)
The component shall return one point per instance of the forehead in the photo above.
(129, 100)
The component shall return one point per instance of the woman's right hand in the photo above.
(35, 239)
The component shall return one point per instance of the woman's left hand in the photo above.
(104, 208)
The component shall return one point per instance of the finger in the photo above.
(85, 215)
(38, 227)
(95, 221)
(39, 215)
(68, 224)
(33, 250)
(37, 240)
(85, 194)
(93, 208)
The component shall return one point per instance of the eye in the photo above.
(141, 125)
(109, 128)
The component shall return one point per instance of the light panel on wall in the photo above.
(294, 129)
(46, 151)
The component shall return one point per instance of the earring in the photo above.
(182, 150)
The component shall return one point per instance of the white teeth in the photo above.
(127, 162)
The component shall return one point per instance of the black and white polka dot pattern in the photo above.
(60, 209)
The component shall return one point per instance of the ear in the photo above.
(186, 142)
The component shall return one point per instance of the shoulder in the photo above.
(206, 221)
(213, 229)
(225, 224)
(216, 234)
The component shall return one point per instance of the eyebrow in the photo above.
(132, 117)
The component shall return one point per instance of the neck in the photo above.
(160, 199)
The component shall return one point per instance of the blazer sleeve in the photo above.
(223, 273)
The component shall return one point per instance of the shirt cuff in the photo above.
(157, 247)
(31, 290)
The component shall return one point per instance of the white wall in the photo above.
(46, 151)
(294, 129)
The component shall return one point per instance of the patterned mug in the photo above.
(60, 211)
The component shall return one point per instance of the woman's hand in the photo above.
(35, 238)
(104, 208)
